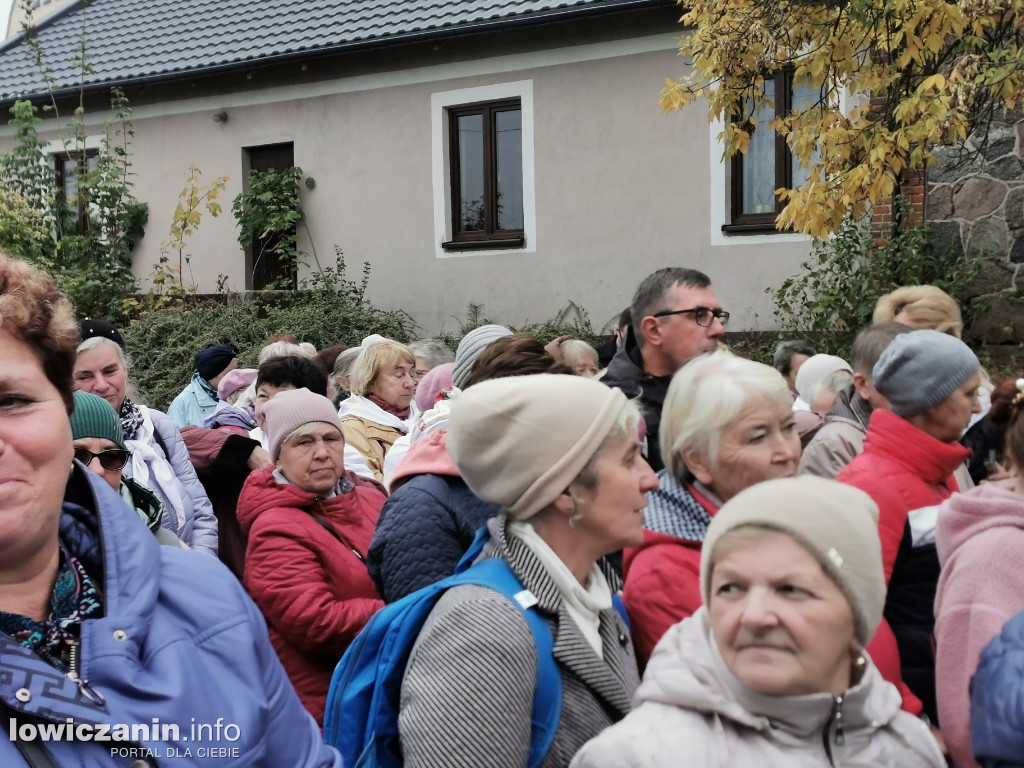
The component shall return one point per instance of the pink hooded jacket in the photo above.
(980, 541)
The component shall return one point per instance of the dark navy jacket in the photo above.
(179, 641)
(997, 700)
(423, 531)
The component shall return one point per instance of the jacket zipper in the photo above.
(834, 733)
(74, 667)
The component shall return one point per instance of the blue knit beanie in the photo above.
(213, 360)
(920, 369)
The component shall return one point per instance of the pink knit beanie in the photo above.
(289, 410)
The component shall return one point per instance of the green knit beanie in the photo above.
(95, 417)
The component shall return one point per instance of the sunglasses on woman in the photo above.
(112, 459)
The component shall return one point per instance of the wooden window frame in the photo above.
(760, 223)
(491, 236)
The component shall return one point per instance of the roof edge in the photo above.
(490, 25)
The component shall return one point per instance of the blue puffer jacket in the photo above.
(997, 700)
(422, 533)
(179, 641)
(199, 530)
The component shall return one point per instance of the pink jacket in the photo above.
(980, 540)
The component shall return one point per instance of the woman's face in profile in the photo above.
(783, 627)
(35, 453)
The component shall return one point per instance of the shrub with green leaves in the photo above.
(331, 310)
(834, 296)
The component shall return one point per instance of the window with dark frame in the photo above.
(486, 172)
(69, 172)
(768, 163)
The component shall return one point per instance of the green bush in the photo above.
(333, 310)
(571, 320)
(834, 296)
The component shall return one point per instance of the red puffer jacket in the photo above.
(909, 474)
(313, 590)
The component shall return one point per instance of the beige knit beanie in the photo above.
(287, 411)
(836, 523)
(520, 441)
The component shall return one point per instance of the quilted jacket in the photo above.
(313, 589)
(997, 700)
(428, 522)
(179, 641)
(909, 474)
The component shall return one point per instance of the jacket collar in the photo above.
(615, 677)
(899, 441)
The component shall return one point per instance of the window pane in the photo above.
(804, 98)
(509, 132)
(759, 161)
(471, 173)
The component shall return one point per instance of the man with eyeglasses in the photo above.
(676, 317)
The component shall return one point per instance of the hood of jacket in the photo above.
(686, 670)
(367, 410)
(427, 456)
(851, 408)
(964, 516)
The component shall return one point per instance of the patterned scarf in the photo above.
(75, 598)
(131, 419)
(672, 510)
(402, 413)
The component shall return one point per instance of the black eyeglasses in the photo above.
(112, 459)
(703, 316)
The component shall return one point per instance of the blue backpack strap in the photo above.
(361, 718)
(620, 606)
(496, 574)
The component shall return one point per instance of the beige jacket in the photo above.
(372, 431)
(833, 447)
(690, 712)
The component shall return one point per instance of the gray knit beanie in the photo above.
(287, 411)
(836, 523)
(919, 370)
(471, 347)
(520, 441)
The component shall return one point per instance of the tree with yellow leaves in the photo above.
(936, 70)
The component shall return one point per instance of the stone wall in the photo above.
(975, 205)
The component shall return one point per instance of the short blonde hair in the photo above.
(374, 359)
(705, 396)
(927, 308)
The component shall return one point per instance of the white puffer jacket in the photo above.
(691, 712)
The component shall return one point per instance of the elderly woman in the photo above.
(980, 542)
(727, 423)
(160, 460)
(308, 528)
(99, 625)
(98, 440)
(772, 672)
(910, 453)
(922, 307)
(429, 354)
(380, 408)
(572, 489)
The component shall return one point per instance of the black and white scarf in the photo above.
(672, 510)
(131, 419)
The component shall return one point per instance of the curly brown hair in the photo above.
(35, 312)
(519, 355)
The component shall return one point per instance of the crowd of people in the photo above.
(652, 553)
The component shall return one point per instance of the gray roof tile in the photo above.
(138, 40)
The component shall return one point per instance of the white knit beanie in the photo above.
(836, 523)
(814, 371)
(287, 411)
(520, 441)
(471, 347)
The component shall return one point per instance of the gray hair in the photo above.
(95, 342)
(871, 343)
(652, 294)
(280, 349)
(433, 351)
(705, 396)
(786, 351)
